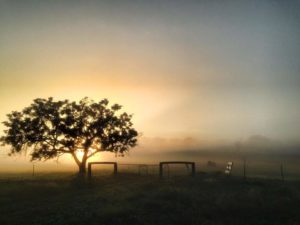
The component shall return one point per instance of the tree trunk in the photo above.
(82, 167)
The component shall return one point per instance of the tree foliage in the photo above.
(53, 128)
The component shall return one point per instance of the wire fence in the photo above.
(240, 168)
(246, 169)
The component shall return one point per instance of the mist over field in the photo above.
(263, 156)
(204, 80)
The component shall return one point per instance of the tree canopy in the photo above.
(52, 128)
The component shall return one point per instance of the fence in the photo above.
(269, 169)
(246, 169)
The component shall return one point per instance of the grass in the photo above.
(131, 199)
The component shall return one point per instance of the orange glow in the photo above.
(79, 154)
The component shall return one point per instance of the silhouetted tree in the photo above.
(53, 128)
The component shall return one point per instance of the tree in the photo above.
(53, 128)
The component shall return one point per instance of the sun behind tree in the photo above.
(83, 129)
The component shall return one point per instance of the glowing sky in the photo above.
(201, 69)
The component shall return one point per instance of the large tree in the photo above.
(52, 128)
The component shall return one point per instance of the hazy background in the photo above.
(197, 75)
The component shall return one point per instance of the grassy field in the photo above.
(131, 199)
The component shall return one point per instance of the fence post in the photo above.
(193, 169)
(245, 169)
(160, 170)
(115, 169)
(281, 172)
(89, 170)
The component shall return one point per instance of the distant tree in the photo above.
(53, 128)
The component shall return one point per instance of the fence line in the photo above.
(242, 169)
(250, 168)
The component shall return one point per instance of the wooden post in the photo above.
(168, 170)
(193, 169)
(115, 168)
(89, 170)
(281, 172)
(245, 177)
(161, 170)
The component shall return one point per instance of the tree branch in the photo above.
(94, 153)
(75, 158)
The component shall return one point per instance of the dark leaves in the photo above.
(53, 128)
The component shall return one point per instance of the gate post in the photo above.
(193, 169)
(89, 170)
(115, 168)
(160, 170)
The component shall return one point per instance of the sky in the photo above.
(207, 71)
